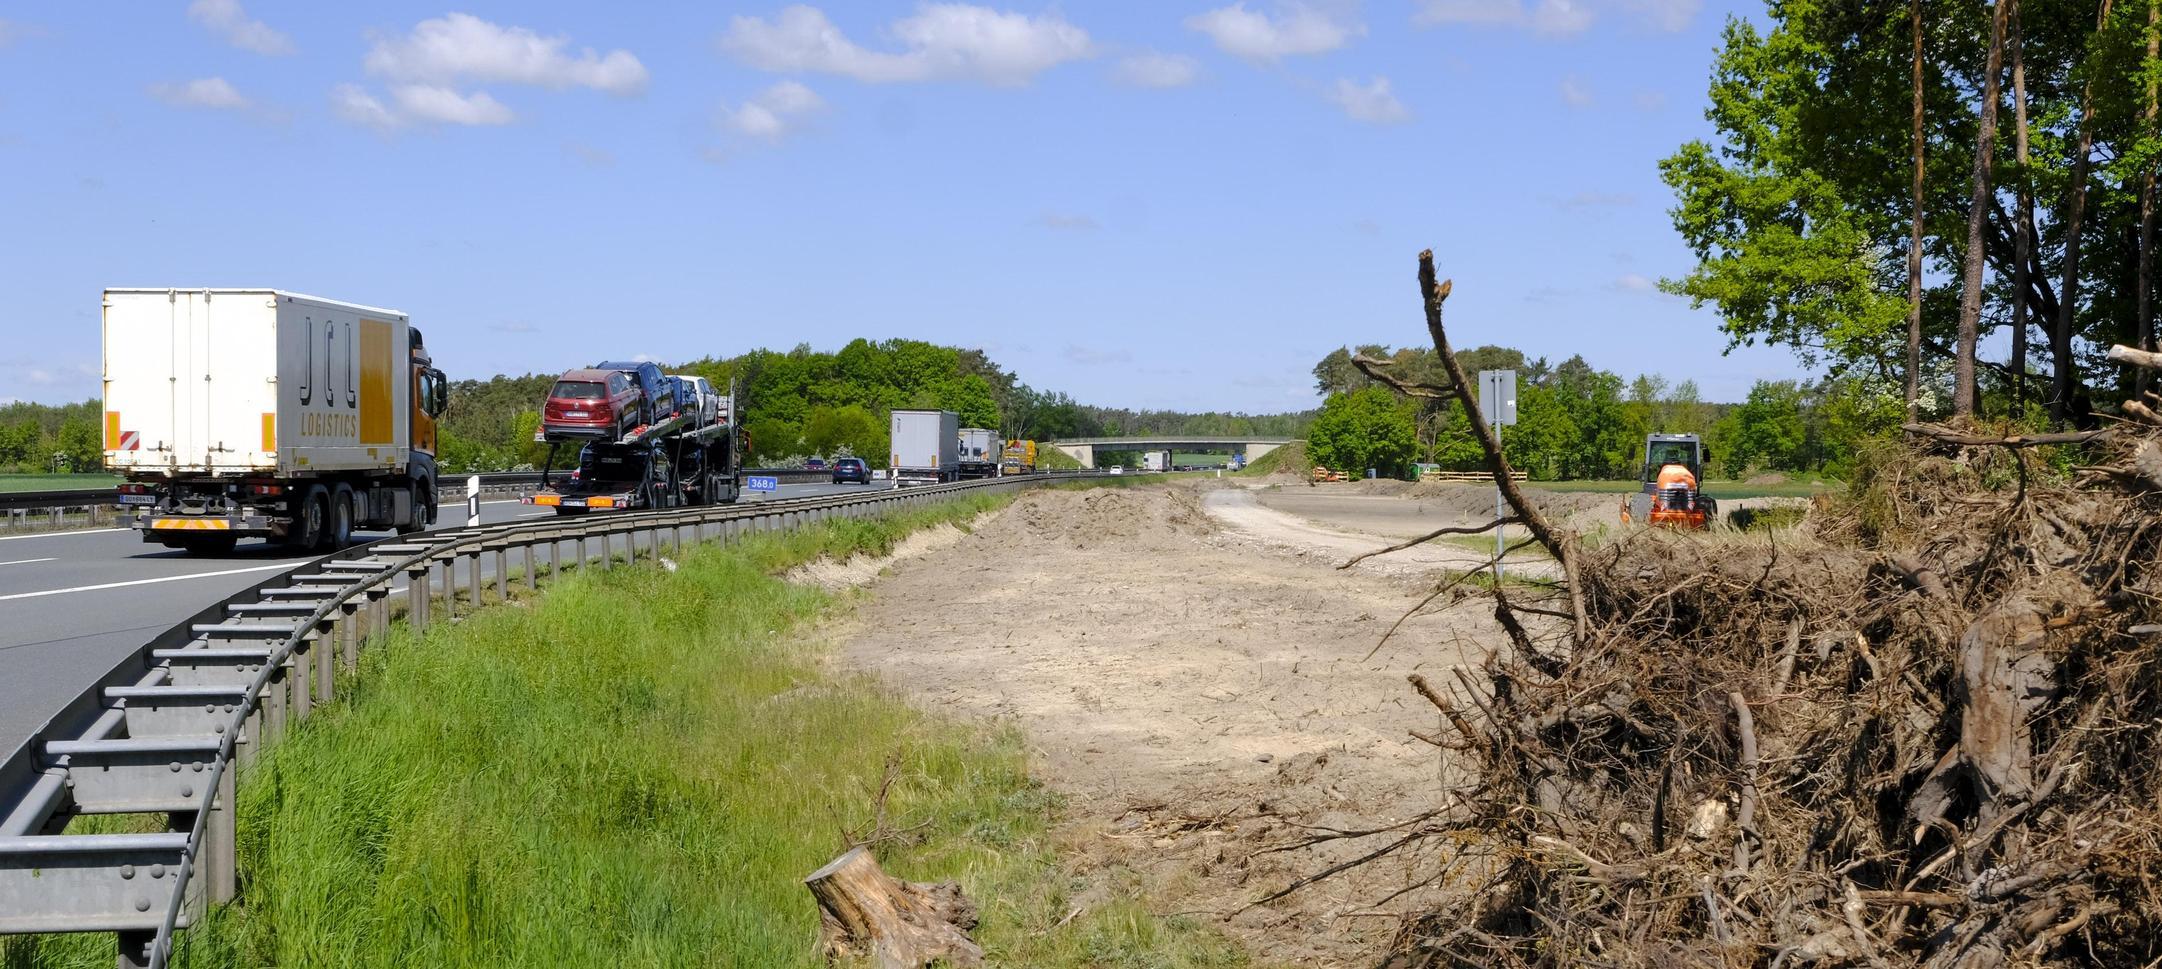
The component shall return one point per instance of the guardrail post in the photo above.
(473, 578)
(532, 577)
(416, 594)
(302, 656)
(502, 572)
(274, 706)
(348, 638)
(607, 556)
(220, 860)
(450, 586)
(326, 664)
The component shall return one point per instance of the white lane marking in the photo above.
(169, 578)
(84, 531)
(27, 561)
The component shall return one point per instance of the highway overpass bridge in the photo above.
(1083, 449)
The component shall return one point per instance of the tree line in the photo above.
(1576, 422)
(794, 404)
(1896, 183)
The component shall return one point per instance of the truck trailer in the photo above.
(980, 453)
(237, 413)
(926, 446)
(686, 457)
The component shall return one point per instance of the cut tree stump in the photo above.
(865, 913)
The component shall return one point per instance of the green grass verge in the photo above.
(54, 482)
(637, 768)
(1290, 457)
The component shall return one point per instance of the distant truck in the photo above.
(1155, 461)
(926, 446)
(1019, 458)
(684, 455)
(980, 453)
(236, 413)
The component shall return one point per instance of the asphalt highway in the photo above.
(72, 604)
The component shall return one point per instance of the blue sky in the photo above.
(1144, 204)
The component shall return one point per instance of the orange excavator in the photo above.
(1673, 468)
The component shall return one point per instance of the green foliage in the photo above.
(32, 434)
(1362, 429)
(638, 769)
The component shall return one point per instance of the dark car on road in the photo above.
(814, 464)
(847, 470)
(593, 403)
(659, 388)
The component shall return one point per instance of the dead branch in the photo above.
(1430, 536)
(1949, 436)
(1374, 369)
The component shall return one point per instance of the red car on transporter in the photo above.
(595, 403)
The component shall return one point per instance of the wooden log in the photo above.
(2137, 358)
(867, 914)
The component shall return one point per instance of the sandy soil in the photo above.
(1196, 677)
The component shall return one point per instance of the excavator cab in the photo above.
(1672, 474)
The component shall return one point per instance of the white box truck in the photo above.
(256, 412)
(980, 453)
(926, 446)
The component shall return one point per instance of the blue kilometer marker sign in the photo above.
(755, 483)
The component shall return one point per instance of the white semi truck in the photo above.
(980, 453)
(926, 446)
(237, 413)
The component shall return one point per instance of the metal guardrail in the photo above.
(452, 485)
(167, 729)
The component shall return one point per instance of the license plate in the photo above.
(138, 499)
(574, 413)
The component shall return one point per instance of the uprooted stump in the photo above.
(1925, 732)
(865, 913)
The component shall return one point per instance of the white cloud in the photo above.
(9, 30)
(353, 104)
(1297, 29)
(1560, 18)
(513, 326)
(226, 19)
(459, 47)
(1574, 93)
(1371, 102)
(774, 113)
(1634, 282)
(425, 68)
(429, 103)
(1069, 221)
(1151, 69)
(417, 104)
(203, 92)
(938, 41)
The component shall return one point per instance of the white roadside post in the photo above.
(472, 501)
(1497, 401)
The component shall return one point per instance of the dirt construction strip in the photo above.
(1195, 676)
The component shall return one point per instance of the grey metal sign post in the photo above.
(1497, 402)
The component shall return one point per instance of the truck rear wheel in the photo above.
(340, 533)
(306, 531)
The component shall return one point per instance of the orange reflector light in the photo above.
(192, 524)
(546, 500)
(600, 502)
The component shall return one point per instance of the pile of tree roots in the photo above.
(1926, 735)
